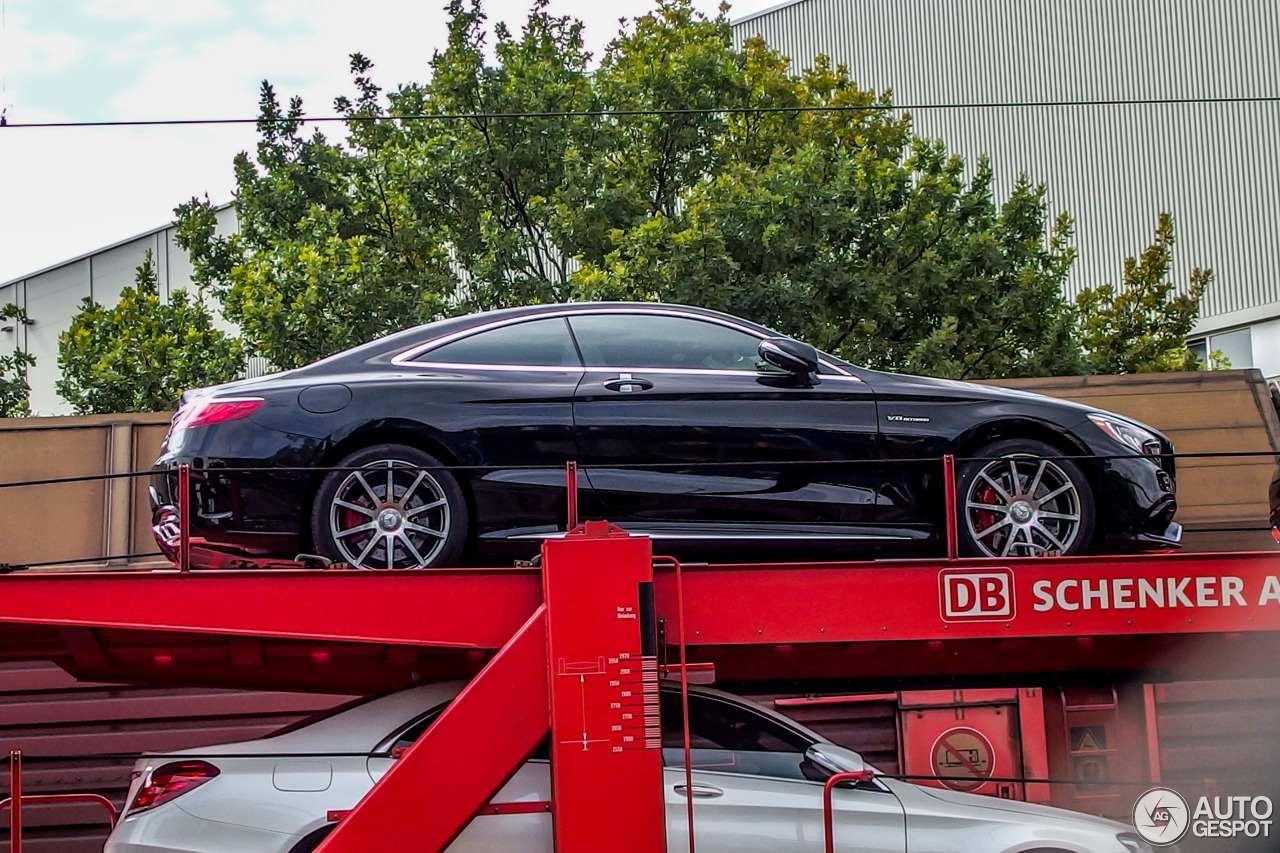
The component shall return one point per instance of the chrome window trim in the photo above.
(407, 358)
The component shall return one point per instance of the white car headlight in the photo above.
(1130, 435)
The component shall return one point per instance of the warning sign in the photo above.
(1088, 738)
(963, 759)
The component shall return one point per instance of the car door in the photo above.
(753, 791)
(685, 433)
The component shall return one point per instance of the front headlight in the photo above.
(1130, 435)
(1134, 843)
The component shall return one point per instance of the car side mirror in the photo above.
(791, 355)
(833, 759)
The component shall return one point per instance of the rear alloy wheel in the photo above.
(398, 509)
(1014, 502)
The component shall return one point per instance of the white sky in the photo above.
(64, 192)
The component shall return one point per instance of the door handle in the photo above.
(625, 383)
(698, 791)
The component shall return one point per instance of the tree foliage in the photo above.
(1141, 326)
(141, 354)
(677, 168)
(15, 393)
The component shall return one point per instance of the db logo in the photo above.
(976, 596)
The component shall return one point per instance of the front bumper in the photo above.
(1136, 504)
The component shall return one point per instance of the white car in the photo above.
(758, 780)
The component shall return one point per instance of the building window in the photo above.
(1234, 349)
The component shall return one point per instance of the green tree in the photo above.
(328, 253)
(1141, 326)
(140, 355)
(842, 228)
(497, 186)
(15, 393)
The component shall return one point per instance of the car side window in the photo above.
(725, 737)
(655, 340)
(532, 343)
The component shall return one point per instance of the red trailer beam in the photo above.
(458, 608)
(931, 600)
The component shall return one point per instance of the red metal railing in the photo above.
(684, 692)
(827, 822)
(949, 486)
(571, 485)
(16, 800)
(184, 518)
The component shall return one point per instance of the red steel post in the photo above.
(15, 794)
(184, 517)
(602, 649)
(949, 484)
(571, 484)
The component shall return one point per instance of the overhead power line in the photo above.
(1110, 102)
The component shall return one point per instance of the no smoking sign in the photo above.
(962, 759)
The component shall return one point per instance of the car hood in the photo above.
(901, 383)
(1031, 811)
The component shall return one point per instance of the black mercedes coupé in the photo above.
(448, 442)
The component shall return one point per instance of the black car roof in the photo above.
(397, 341)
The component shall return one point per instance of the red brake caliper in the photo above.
(985, 517)
(350, 518)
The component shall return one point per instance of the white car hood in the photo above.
(1031, 811)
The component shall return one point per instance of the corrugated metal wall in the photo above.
(1113, 167)
(1221, 739)
(46, 713)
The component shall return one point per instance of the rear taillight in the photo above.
(202, 412)
(169, 781)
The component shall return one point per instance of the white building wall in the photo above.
(1266, 347)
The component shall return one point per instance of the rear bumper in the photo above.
(236, 521)
(176, 831)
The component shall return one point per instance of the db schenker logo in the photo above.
(1161, 816)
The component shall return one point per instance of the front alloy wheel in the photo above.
(1022, 505)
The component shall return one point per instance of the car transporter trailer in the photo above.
(574, 646)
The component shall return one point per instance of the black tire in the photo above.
(309, 843)
(1049, 510)
(422, 524)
